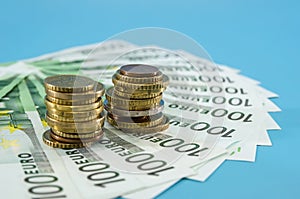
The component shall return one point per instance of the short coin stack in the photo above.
(74, 111)
(135, 102)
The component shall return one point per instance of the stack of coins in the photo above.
(135, 102)
(74, 111)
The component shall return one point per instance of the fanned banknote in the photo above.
(215, 114)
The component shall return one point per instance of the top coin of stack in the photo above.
(135, 102)
(74, 111)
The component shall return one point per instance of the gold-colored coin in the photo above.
(72, 101)
(69, 83)
(117, 101)
(127, 113)
(164, 125)
(135, 107)
(94, 94)
(56, 144)
(134, 122)
(78, 135)
(141, 119)
(76, 140)
(74, 118)
(136, 92)
(98, 122)
(73, 108)
(138, 80)
(81, 130)
(137, 95)
(135, 103)
(150, 86)
(77, 114)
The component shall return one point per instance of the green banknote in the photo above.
(41, 171)
(24, 161)
(120, 163)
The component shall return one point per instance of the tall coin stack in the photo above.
(135, 102)
(74, 111)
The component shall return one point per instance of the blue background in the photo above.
(259, 37)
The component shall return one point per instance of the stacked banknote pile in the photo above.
(74, 111)
(215, 114)
(135, 102)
